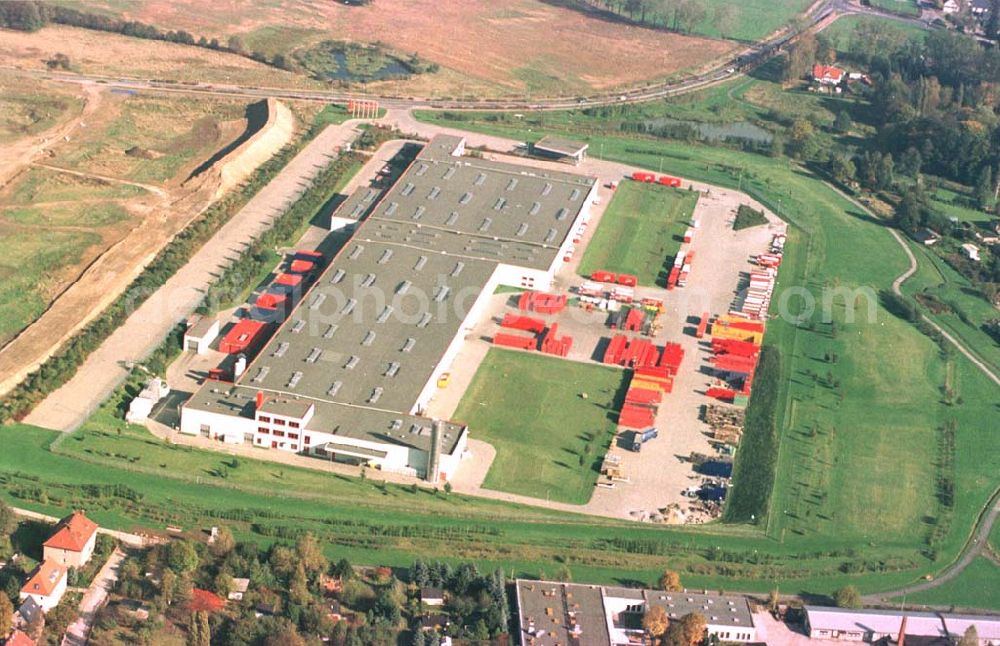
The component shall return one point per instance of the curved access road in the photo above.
(897, 288)
(974, 547)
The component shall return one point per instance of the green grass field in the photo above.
(901, 7)
(949, 203)
(966, 309)
(641, 232)
(29, 270)
(97, 213)
(750, 20)
(995, 539)
(522, 404)
(975, 588)
(842, 31)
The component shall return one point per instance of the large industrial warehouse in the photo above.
(348, 374)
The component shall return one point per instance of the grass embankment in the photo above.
(843, 474)
(641, 232)
(975, 588)
(131, 480)
(747, 217)
(909, 8)
(60, 367)
(757, 458)
(549, 440)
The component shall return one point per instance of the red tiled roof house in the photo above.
(46, 586)
(72, 544)
(19, 639)
(827, 74)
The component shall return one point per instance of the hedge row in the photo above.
(757, 459)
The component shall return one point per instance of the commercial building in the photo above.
(199, 336)
(552, 613)
(864, 625)
(561, 149)
(351, 371)
(73, 543)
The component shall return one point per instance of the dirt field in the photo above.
(86, 203)
(517, 45)
(92, 52)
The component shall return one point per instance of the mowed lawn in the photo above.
(640, 232)
(549, 439)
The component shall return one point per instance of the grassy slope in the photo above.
(539, 452)
(641, 232)
(976, 587)
(889, 372)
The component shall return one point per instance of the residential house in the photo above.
(972, 251)
(950, 7)
(28, 613)
(436, 622)
(432, 596)
(827, 74)
(980, 9)
(73, 543)
(926, 237)
(240, 587)
(46, 586)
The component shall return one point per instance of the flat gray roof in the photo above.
(561, 146)
(487, 202)
(373, 327)
(718, 609)
(553, 612)
(354, 422)
(358, 204)
(200, 329)
(349, 339)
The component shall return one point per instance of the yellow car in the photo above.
(444, 379)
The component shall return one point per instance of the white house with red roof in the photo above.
(46, 586)
(827, 74)
(72, 545)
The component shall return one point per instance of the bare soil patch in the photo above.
(517, 45)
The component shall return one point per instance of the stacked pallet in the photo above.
(541, 303)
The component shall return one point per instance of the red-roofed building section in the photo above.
(205, 600)
(827, 74)
(18, 638)
(72, 544)
(46, 585)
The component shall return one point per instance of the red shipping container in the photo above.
(667, 180)
(306, 254)
(289, 280)
(723, 394)
(750, 326)
(643, 396)
(702, 326)
(246, 334)
(733, 363)
(628, 280)
(672, 278)
(643, 177)
(673, 355)
(526, 323)
(514, 341)
(615, 350)
(735, 347)
(302, 266)
(604, 276)
(270, 300)
(633, 321)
